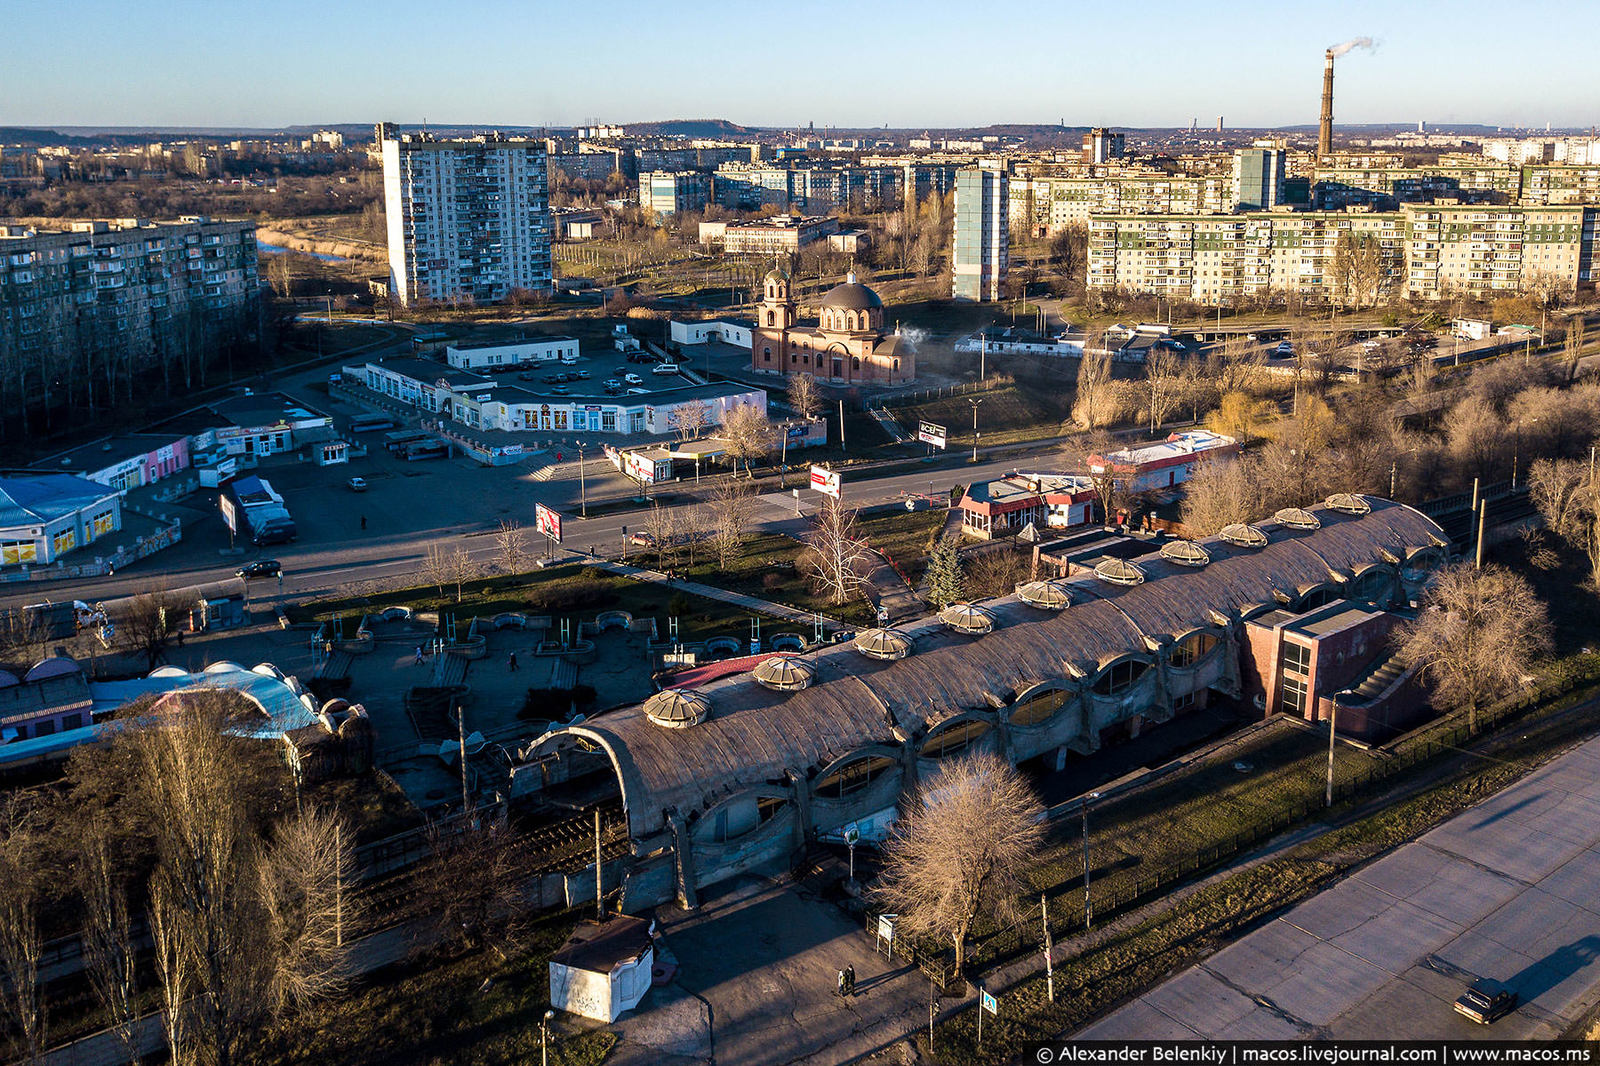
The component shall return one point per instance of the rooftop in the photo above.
(1179, 445)
(431, 371)
(45, 497)
(108, 452)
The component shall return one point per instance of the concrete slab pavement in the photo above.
(1505, 890)
(756, 985)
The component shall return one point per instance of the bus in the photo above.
(370, 423)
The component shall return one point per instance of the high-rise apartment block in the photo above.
(1102, 146)
(667, 192)
(468, 219)
(1258, 176)
(129, 294)
(982, 233)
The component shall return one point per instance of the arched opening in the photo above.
(1372, 584)
(766, 355)
(855, 362)
(737, 817)
(1039, 705)
(1317, 597)
(771, 318)
(853, 776)
(1193, 648)
(1119, 677)
(955, 739)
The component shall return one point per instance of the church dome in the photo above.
(777, 273)
(852, 296)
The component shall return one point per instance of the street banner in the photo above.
(825, 481)
(547, 522)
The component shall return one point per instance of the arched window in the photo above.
(1370, 585)
(853, 776)
(738, 816)
(769, 290)
(1317, 597)
(771, 318)
(954, 739)
(1119, 677)
(766, 355)
(897, 364)
(855, 362)
(791, 357)
(1039, 706)
(1192, 648)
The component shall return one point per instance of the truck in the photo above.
(258, 511)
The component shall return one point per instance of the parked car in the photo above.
(1486, 1002)
(357, 484)
(1283, 348)
(641, 540)
(582, 375)
(259, 568)
(613, 383)
(569, 360)
(633, 379)
(560, 390)
(665, 368)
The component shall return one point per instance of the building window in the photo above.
(13, 552)
(65, 541)
(1292, 696)
(766, 355)
(1297, 657)
(1192, 649)
(1039, 707)
(953, 740)
(1119, 677)
(854, 776)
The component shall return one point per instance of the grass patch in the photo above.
(905, 536)
(1009, 414)
(765, 570)
(472, 1010)
(1123, 967)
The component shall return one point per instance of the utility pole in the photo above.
(983, 354)
(1049, 964)
(1483, 515)
(1333, 716)
(841, 426)
(975, 404)
(1088, 913)
(461, 736)
(583, 489)
(338, 886)
(599, 896)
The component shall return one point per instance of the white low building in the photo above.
(727, 330)
(603, 969)
(500, 356)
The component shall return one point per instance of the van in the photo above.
(665, 368)
(275, 533)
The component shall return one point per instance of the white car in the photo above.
(665, 368)
(633, 379)
(569, 360)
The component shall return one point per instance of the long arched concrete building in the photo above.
(737, 775)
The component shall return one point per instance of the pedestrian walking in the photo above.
(280, 580)
(849, 980)
(418, 660)
(363, 521)
(513, 662)
(841, 984)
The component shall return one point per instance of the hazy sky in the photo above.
(832, 62)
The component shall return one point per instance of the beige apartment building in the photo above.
(1422, 250)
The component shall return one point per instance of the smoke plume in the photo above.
(1351, 45)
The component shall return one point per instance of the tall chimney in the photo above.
(1325, 130)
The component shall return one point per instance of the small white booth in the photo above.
(604, 968)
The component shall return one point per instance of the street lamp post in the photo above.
(975, 404)
(583, 488)
(544, 1037)
(1333, 717)
(1083, 809)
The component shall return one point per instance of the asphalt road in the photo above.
(1505, 891)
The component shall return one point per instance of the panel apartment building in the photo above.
(981, 248)
(1423, 250)
(133, 291)
(468, 219)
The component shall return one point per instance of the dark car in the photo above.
(259, 568)
(1486, 1002)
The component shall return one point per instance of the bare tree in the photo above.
(995, 571)
(1163, 386)
(961, 848)
(488, 909)
(109, 951)
(1236, 366)
(511, 546)
(1573, 349)
(1480, 635)
(1218, 493)
(463, 568)
(838, 555)
(688, 420)
(305, 888)
(804, 396)
(1240, 417)
(436, 569)
(1566, 498)
(22, 884)
(146, 624)
(662, 527)
(731, 505)
(280, 273)
(748, 433)
(1092, 405)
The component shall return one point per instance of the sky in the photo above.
(935, 63)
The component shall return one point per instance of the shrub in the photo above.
(771, 580)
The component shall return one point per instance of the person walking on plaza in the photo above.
(513, 662)
(418, 660)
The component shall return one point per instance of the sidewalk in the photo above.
(711, 592)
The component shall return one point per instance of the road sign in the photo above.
(988, 1002)
(547, 522)
(932, 433)
(852, 834)
(826, 481)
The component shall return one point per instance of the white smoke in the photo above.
(913, 335)
(1351, 45)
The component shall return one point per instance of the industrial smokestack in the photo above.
(1325, 129)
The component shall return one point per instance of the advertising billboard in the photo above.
(547, 522)
(826, 481)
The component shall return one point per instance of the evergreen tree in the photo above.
(944, 573)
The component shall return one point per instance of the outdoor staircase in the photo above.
(335, 666)
(564, 674)
(1385, 672)
(449, 670)
(889, 424)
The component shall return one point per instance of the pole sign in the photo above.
(988, 1002)
(825, 481)
(229, 514)
(547, 522)
(932, 433)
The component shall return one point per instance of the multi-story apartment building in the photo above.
(1561, 184)
(1045, 205)
(982, 234)
(1423, 250)
(1258, 176)
(130, 293)
(779, 235)
(673, 192)
(468, 219)
(825, 188)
